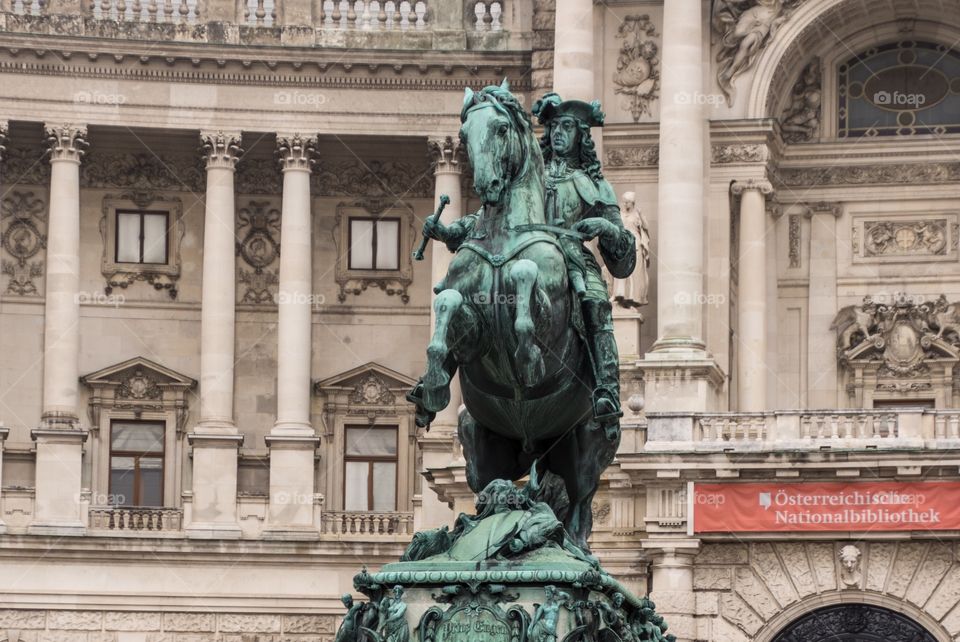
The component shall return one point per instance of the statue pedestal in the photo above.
(627, 323)
(549, 597)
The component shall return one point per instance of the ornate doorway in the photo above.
(854, 623)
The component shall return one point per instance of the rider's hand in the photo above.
(434, 229)
(596, 226)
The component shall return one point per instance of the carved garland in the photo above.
(258, 227)
(23, 237)
(637, 77)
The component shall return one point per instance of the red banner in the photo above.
(826, 506)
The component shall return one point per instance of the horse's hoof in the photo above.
(436, 399)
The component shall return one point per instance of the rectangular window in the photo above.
(141, 237)
(374, 244)
(370, 469)
(136, 463)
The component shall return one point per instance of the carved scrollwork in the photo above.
(642, 156)
(372, 390)
(258, 226)
(372, 179)
(142, 172)
(24, 218)
(637, 77)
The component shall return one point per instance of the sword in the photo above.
(418, 253)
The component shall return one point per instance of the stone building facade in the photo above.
(207, 295)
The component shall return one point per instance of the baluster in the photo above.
(393, 14)
(405, 15)
(421, 11)
(184, 11)
(893, 432)
(152, 11)
(366, 18)
(122, 10)
(849, 427)
(261, 12)
(273, 12)
(479, 10)
(328, 10)
(340, 15)
(105, 9)
(496, 10)
(381, 16)
(352, 15)
(170, 10)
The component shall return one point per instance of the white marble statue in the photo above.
(631, 292)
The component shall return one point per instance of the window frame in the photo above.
(137, 487)
(371, 460)
(376, 220)
(141, 212)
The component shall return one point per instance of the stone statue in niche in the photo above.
(800, 121)
(745, 27)
(631, 292)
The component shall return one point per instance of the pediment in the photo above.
(369, 384)
(136, 373)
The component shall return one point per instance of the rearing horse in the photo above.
(508, 321)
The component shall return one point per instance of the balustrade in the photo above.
(135, 519)
(371, 524)
(145, 11)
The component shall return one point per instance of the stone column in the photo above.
(573, 50)
(215, 439)
(752, 295)
(672, 585)
(59, 438)
(3, 437)
(292, 441)
(680, 222)
(437, 445)
(822, 391)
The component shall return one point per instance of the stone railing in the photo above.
(145, 11)
(350, 524)
(135, 519)
(798, 429)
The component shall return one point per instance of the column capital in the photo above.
(675, 553)
(737, 188)
(823, 207)
(296, 151)
(220, 149)
(66, 142)
(446, 153)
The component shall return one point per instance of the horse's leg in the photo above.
(489, 456)
(580, 458)
(529, 359)
(440, 362)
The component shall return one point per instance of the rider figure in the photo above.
(578, 198)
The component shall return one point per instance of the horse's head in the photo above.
(498, 135)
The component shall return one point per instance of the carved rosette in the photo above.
(221, 150)
(296, 152)
(445, 154)
(66, 142)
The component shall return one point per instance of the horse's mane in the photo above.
(500, 98)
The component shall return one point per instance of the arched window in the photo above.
(854, 623)
(903, 88)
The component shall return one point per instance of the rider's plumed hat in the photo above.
(551, 106)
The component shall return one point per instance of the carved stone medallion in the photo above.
(258, 225)
(23, 216)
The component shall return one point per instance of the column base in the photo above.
(57, 504)
(291, 513)
(626, 329)
(678, 348)
(214, 514)
(682, 384)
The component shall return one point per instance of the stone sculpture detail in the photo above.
(637, 77)
(800, 121)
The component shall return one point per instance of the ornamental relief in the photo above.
(258, 228)
(637, 77)
(25, 166)
(372, 179)
(909, 239)
(143, 171)
(891, 173)
(23, 216)
(640, 156)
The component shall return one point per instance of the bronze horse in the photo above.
(507, 320)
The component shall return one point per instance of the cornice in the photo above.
(269, 66)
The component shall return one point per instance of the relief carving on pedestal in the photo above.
(637, 77)
(258, 228)
(23, 215)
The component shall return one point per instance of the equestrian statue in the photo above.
(523, 314)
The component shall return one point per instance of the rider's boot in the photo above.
(422, 416)
(598, 319)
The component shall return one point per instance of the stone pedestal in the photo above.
(681, 384)
(291, 512)
(214, 514)
(626, 329)
(57, 504)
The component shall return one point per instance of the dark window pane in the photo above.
(137, 437)
(151, 482)
(371, 442)
(122, 479)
